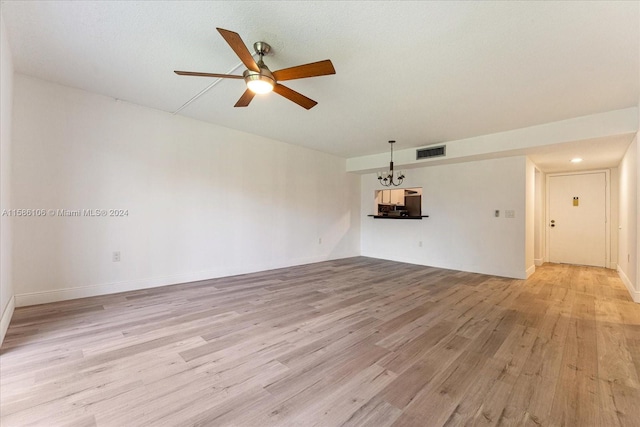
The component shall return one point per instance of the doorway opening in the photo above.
(578, 208)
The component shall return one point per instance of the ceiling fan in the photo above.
(260, 79)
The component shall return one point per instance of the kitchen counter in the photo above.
(399, 217)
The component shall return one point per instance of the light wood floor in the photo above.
(349, 342)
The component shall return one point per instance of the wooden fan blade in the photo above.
(193, 73)
(239, 48)
(294, 96)
(245, 99)
(314, 69)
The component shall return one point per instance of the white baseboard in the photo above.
(635, 295)
(7, 314)
(63, 294)
(530, 271)
(538, 262)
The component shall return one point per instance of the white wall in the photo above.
(628, 220)
(6, 107)
(615, 216)
(204, 201)
(530, 217)
(540, 220)
(461, 232)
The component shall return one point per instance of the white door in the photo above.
(577, 219)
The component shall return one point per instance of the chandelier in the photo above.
(386, 178)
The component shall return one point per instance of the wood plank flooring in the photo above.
(352, 342)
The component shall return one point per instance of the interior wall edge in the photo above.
(635, 295)
(7, 290)
(530, 271)
(7, 314)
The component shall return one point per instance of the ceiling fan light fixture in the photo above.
(258, 78)
(259, 82)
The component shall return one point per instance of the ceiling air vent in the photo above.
(425, 153)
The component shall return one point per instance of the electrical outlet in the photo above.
(115, 257)
(496, 213)
(509, 214)
(420, 244)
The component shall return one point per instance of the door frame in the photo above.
(607, 211)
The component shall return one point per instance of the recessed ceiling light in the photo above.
(576, 160)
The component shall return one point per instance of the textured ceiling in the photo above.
(417, 72)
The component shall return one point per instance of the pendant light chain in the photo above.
(386, 178)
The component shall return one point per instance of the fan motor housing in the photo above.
(263, 48)
(254, 75)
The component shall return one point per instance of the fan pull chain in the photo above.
(206, 89)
